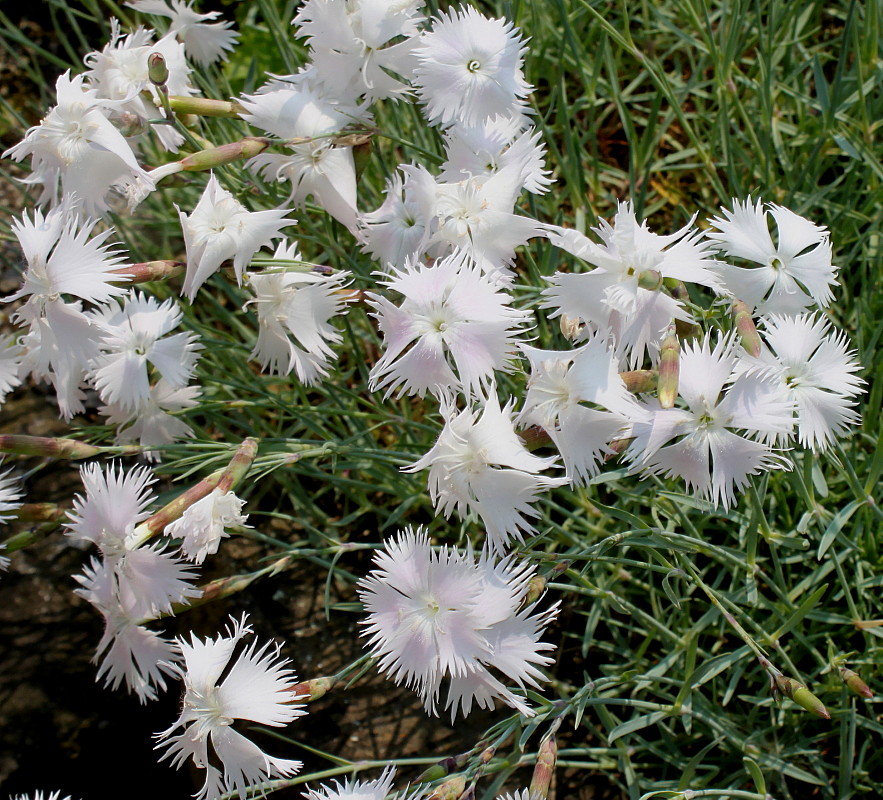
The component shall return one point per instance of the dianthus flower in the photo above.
(256, 687)
(452, 318)
(205, 523)
(436, 615)
(480, 464)
(791, 275)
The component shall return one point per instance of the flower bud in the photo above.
(650, 279)
(640, 381)
(855, 683)
(535, 588)
(450, 790)
(746, 328)
(669, 369)
(48, 447)
(544, 770)
(308, 691)
(225, 154)
(444, 767)
(157, 70)
(150, 271)
(797, 692)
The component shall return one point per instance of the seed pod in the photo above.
(855, 683)
(157, 70)
(797, 692)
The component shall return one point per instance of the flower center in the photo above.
(473, 65)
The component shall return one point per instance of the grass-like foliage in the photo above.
(683, 623)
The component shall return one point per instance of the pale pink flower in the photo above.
(452, 330)
(256, 687)
(442, 615)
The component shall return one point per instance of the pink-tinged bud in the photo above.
(157, 70)
(544, 771)
(239, 465)
(650, 279)
(450, 790)
(746, 328)
(669, 369)
(308, 691)
(640, 381)
(855, 683)
(48, 447)
(205, 106)
(487, 755)
(225, 154)
(150, 271)
(797, 692)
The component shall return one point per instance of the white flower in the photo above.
(611, 297)
(316, 168)
(297, 106)
(132, 653)
(350, 45)
(135, 336)
(294, 314)
(205, 42)
(256, 687)
(452, 318)
(10, 492)
(115, 502)
(152, 424)
(476, 216)
(470, 68)
(700, 443)
(443, 615)
(77, 150)
(403, 224)
(11, 355)
(219, 228)
(377, 789)
(792, 275)
(38, 795)
(818, 372)
(120, 73)
(205, 523)
(497, 144)
(481, 465)
(580, 400)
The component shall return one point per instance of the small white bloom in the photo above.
(77, 150)
(402, 226)
(350, 45)
(114, 503)
(452, 318)
(38, 795)
(10, 493)
(152, 424)
(792, 275)
(257, 687)
(131, 652)
(295, 310)
(481, 465)
(219, 228)
(377, 789)
(316, 168)
(436, 615)
(817, 370)
(204, 41)
(205, 523)
(580, 400)
(470, 68)
(611, 297)
(135, 337)
(703, 443)
(11, 356)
